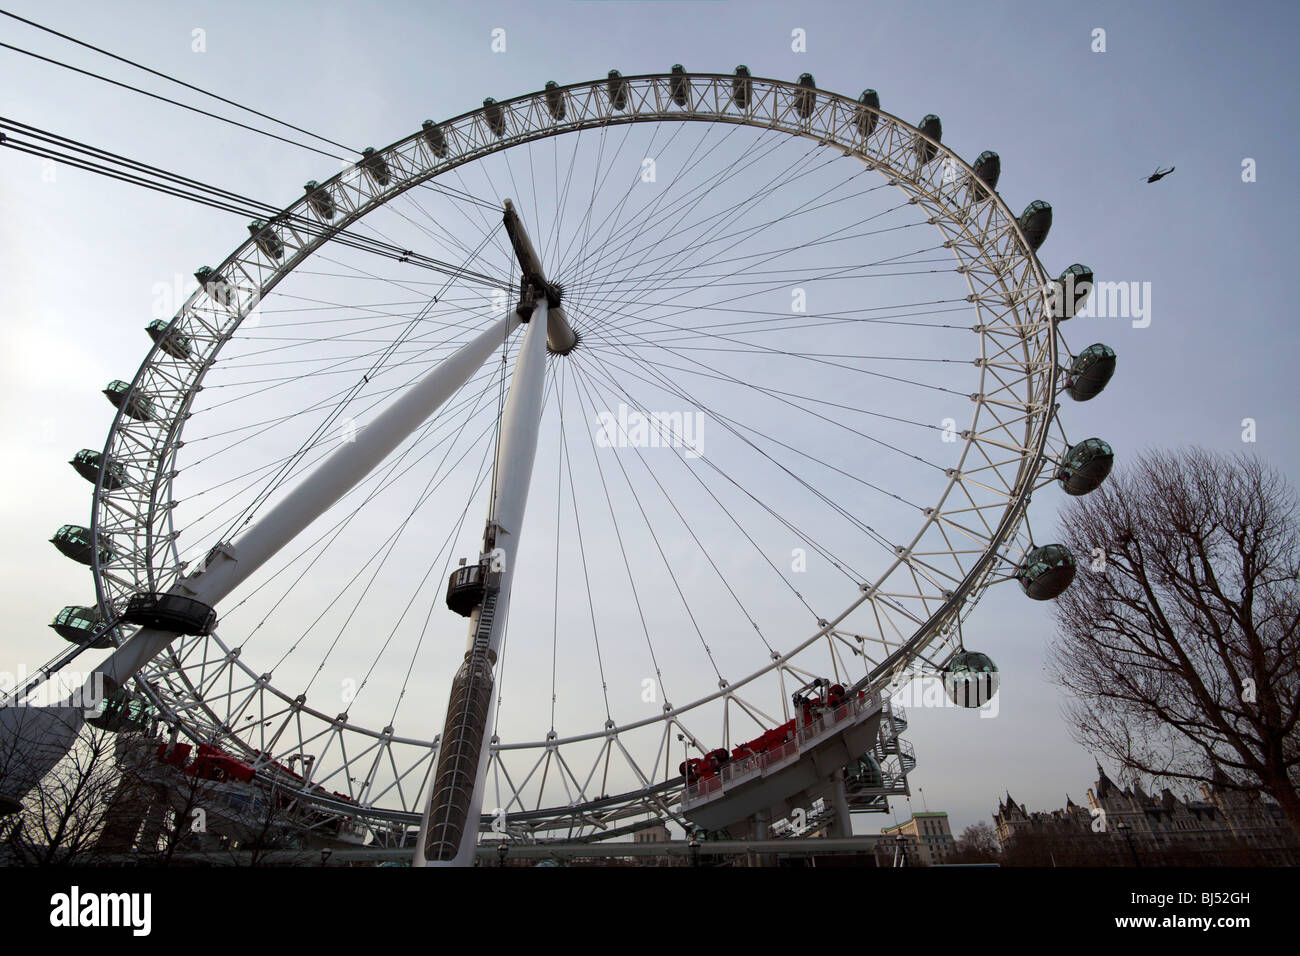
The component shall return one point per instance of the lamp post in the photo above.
(1127, 831)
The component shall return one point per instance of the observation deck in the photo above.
(786, 777)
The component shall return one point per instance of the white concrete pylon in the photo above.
(33, 739)
(517, 452)
(453, 813)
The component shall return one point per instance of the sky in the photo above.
(1204, 87)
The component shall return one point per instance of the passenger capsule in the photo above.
(433, 136)
(805, 98)
(1071, 291)
(1035, 222)
(679, 86)
(74, 541)
(170, 340)
(86, 463)
(933, 128)
(988, 168)
(137, 406)
(1090, 371)
(496, 118)
(1085, 466)
(866, 117)
(742, 88)
(266, 239)
(79, 625)
(616, 86)
(124, 713)
(971, 679)
(375, 165)
(158, 610)
(554, 100)
(320, 200)
(217, 288)
(1047, 571)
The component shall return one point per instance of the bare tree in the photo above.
(978, 843)
(208, 822)
(112, 796)
(1178, 639)
(61, 820)
(183, 799)
(270, 832)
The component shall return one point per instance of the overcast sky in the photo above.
(1199, 86)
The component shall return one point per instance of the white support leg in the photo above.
(449, 829)
(33, 739)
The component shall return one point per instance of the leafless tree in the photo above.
(112, 796)
(197, 831)
(270, 833)
(977, 844)
(186, 798)
(61, 819)
(1178, 642)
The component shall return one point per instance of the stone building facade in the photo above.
(929, 837)
(1225, 825)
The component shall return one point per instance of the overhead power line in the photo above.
(172, 79)
(449, 190)
(102, 162)
(157, 96)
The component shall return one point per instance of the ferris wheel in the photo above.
(754, 383)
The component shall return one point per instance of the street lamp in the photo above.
(1127, 832)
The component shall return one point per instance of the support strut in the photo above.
(449, 830)
(449, 833)
(34, 739)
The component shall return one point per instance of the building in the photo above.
(928, 836)
(1068, 830)
(1225, 825)
(655, 834)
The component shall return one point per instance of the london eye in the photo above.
(599, 458)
